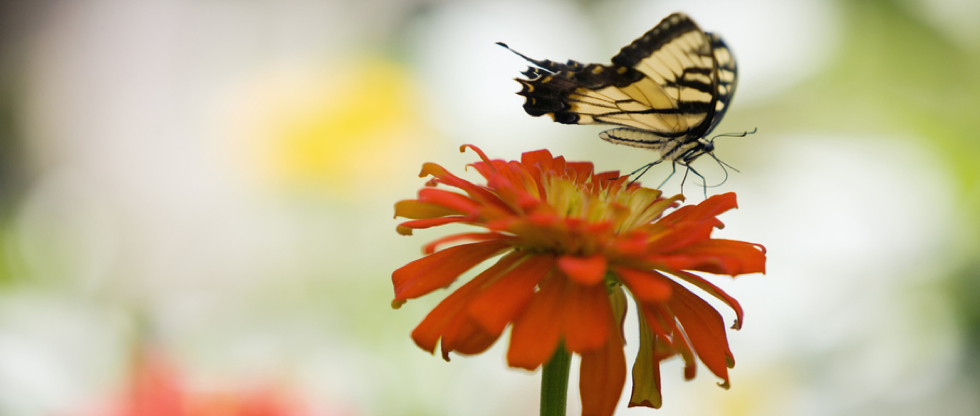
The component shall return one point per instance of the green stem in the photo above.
(554, 383)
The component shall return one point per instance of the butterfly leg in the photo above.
(704, 182)
(673, 170)
(644, 168)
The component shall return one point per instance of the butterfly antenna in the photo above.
(723, 166)
(742, 134)
(720, 162)
(545, 64)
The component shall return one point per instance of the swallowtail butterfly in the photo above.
(665, 91)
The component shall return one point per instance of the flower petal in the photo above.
(466, 338)
(716, 292)
(433, 245)
(718, 257)
(440, 269)
(646, 371)
(584, 270)
(704, 328)
(415, 210)
(505, 297)
(646, 285)
(602, 376)
(535, 335)
(448, 317)
(706, 210)
(585, 316)
(459, 203)
(428, 223)
(679, 236)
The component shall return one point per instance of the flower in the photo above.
(570, 241)
(156, 388)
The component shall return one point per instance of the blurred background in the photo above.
(196, 199)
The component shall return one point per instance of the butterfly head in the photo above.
(707, 146)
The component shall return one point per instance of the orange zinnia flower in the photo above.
(571, 239)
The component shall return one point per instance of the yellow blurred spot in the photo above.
(337, 130)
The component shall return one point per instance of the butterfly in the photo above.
(665, 91)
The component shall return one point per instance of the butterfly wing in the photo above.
(727, 76)
(671, 85)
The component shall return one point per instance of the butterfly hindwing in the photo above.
(727, 78)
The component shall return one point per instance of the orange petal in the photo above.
(536, 333)
(579, 171)
(585, 316)
(466, 338)
(716, 292)
(708, 208)
(585, 270)
(429, 223)
(505, 297)
(646, 286)
(450, 200)
(619, 304)
(433, 245)
(538, 157)
(448, 317)
(718, 257)
(440, 269)
(714, 206)
(415, 210)
(680, 236)
(476, 192)
(601, 379)
(704, 328)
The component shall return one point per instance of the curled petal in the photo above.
(646, 371)
(669, 336)
(440, 269)
(704, 328)
(716, 292)
(466, 338)
(476, 192)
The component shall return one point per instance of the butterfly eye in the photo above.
(709, 147)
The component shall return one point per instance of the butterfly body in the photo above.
(665, 91)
